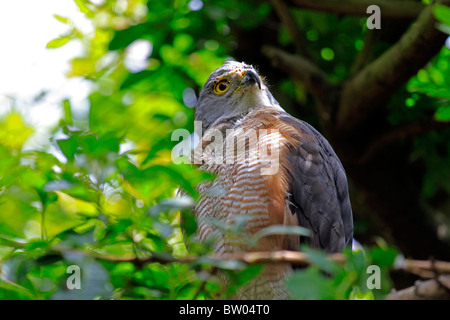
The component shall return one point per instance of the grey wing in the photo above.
(318, 192)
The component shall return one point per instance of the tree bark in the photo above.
(374, 85)
(434, 289)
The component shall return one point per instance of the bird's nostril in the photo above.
(251, 77)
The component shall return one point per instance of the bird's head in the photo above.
(232, 91)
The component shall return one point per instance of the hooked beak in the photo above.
(251, 78)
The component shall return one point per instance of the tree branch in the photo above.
(399, 133)
(423, 268)
(287, 19)
(389, 8)
(283, 256)
(365, 54)
(434, 289)
(383, 76)
(305, 71)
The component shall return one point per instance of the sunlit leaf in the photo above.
(14, 131)
(62, 19)
(58, 42)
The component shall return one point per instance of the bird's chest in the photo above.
(240, 201)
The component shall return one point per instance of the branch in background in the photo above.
(289, 22)
(422, 268)
(305, 71)
(257, 257)
(285, 256)
(399, 133)
(389, 8)
(365, 54)
(434, 289)
(429, 268)
(383, 76)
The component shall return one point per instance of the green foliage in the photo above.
(442, 14)
(329, 280)
(434, 81)
(106, 197)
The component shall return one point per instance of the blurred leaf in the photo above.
(62, 19)
(21, 292)
(443, 113)
(123, 38)
(67, 112)
(310, 284)
(14, 131)
(241, 278)
(82, 5)
(442, 13)
(58, 42)
(68, 148)
(383, 257)
(188, 223)
(319, 259)
(281, 229)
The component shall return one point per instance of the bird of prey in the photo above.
(270, 169)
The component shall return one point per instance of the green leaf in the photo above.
(383, 257)
(68, 148)
(238, 279)
(18, 289)
(319, 258)
(443, 113)
(280, 229)
(309, 284)
(84, 8)
(123, 38)
(188, 223)
(67, 112)
(442, 13)
(58, 42)
(62, 19)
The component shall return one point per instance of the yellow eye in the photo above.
(221, 87)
